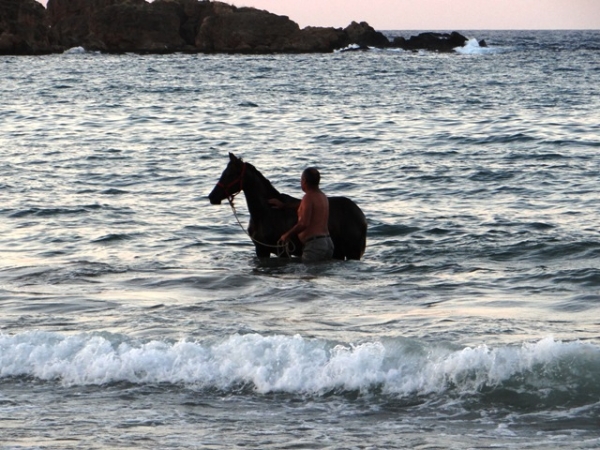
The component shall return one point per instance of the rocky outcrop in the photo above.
(318, 40)
(176, 25)
(117, 25)
(22, 28)
(364, 35)
(165, 26)
(246, 30)
(134, 27)
(438, 42)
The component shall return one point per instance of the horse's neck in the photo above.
(257, 190)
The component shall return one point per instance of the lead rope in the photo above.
(286, 248)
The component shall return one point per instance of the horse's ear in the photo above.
(234, 158)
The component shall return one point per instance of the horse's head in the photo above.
(231, 181)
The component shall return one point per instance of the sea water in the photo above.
(134, 314)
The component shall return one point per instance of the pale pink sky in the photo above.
(438, 14)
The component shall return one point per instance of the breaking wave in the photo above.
(547, 371)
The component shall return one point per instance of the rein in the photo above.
(287, 248)
(240, 180)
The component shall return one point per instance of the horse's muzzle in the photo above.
(214, 197)
(214, 200)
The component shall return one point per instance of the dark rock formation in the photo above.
(318, 40)
(22, 28)
(438, 42)
(246, 30)
(190, 25)
(117, 25)
(364, 35)
(133, 27)
(166, 26)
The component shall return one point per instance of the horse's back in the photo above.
(348, 228)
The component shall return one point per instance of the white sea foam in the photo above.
(472, 47)
(75, 51)
(281, 363)
(351, 47)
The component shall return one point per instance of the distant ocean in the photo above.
(134, 314)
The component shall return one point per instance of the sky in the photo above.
(432, 15)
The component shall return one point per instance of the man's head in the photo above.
(311, 177)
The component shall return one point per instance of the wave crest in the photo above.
(296, 365)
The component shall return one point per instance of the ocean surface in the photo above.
(134, 314)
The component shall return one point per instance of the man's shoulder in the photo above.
(316, 193)
(313, 196)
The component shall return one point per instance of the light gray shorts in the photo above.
(317, 248)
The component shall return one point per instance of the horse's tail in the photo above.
(348, 228)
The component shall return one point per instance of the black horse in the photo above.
(347, 223)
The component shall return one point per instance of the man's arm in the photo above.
(304, 218)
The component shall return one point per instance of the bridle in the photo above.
(239, 180)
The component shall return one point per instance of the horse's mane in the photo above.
(269, 186)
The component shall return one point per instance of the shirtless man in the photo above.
(313, 216)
